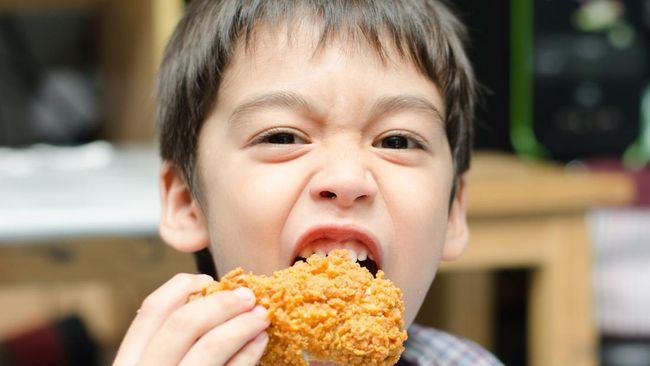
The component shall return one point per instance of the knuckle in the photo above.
(256, 322)
(150, 305)
(153, 300)
(241, 330)
(227, 302)
(180, 321)
(210, 342)
(183, 278)
(229, 334)
(156, 303)
(247, 324)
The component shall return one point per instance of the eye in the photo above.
(395, 142)
(399, 141)
(279, 137)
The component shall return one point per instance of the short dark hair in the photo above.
(425, 32)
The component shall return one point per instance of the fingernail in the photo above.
(260, 311)
(244, 293)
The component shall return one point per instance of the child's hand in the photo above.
(225, 328)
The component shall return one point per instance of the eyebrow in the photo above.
(273, 100)
(384, 106)
(399, 103)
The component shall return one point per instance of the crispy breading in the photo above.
(327, 309)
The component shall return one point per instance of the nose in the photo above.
(344, 180)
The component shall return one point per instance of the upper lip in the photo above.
(340, 233)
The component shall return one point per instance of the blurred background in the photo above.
(557, 270)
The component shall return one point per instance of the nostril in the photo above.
(328, 194)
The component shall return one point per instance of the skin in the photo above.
(268, 172)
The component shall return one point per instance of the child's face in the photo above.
(332, 145)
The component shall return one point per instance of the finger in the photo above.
(223, 342)
(251, 354)
(153, 312)
(191, 321)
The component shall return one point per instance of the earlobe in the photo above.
(182, 222)
(457, 228)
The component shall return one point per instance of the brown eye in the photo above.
(400, 141)
(395, 142)
(281, 138)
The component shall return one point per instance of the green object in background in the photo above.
(638, 155)
(522, 135)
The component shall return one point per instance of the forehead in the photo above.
(298, 56)
(310, 34)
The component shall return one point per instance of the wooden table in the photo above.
(532, 215)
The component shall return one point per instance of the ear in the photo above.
(457, 229)
(182, 222)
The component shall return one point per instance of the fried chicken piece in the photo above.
(327, 309)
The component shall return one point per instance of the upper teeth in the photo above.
(356, 251)
(352, 254)
(362, 255)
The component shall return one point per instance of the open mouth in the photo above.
(362, 257)
(362, 246)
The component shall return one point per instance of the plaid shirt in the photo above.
(431, 347)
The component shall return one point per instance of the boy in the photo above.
(291, 126)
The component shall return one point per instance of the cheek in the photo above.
(417, 202)
(418, 207)
(420, 227)
(248, 207)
